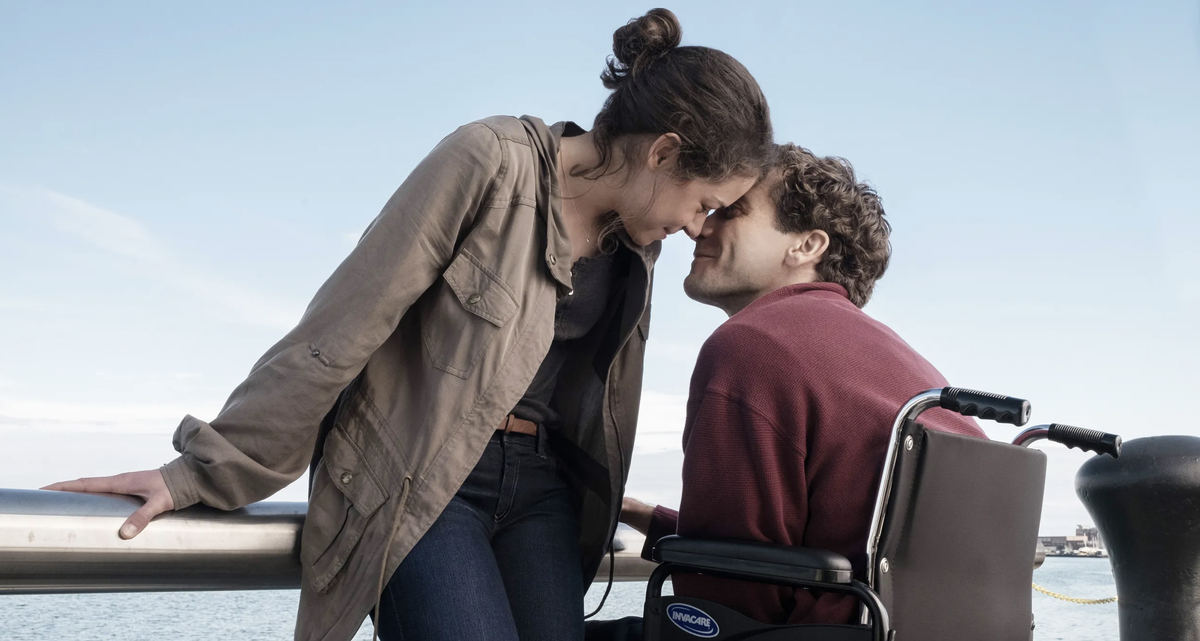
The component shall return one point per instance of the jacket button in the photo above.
(346, 478)
(553, 260)
(473, 298)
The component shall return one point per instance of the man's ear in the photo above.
(663, 152)
(808, 248)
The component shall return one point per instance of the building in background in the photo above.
(1085, 542)
(1091, 537)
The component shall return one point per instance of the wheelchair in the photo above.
(950, 553)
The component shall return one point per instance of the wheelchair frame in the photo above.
(677, 554)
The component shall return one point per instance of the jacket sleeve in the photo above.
(262, 439)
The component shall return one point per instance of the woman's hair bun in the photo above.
(640, 42)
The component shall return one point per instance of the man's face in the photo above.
(740, 253)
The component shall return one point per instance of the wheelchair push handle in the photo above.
(985, 405)
(1085, 439)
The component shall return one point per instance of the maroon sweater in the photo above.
(791, 405)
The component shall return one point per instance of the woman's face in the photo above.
(654, 205)
(658, 206)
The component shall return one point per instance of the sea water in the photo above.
(269, 615)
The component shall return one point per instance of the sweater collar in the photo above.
(797, 290)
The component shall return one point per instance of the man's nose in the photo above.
(695, 227)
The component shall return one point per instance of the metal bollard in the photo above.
(1146, 505)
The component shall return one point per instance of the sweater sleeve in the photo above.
(663, 522)
(262, 439)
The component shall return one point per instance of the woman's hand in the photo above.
(636, 514)
(148, 484)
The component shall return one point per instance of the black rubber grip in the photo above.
(1085, 439)
(985, 405)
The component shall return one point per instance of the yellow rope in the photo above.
(1111, 599)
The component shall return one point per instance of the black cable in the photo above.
(612, 564)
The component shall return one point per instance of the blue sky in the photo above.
(176, 181)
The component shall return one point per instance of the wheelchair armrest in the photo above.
(755, 560)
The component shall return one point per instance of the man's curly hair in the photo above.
(823, 193)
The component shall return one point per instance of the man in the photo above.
(793, 398)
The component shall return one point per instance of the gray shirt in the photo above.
(593, 280)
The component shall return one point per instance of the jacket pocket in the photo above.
(470, 306)
(343, 499)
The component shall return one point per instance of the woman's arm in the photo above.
(262, 439)
(655, 521)
(636, 514)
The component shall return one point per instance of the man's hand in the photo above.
(147, 484)
(636, 514)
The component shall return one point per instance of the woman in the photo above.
(481, 350)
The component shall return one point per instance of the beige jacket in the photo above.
(421, 342)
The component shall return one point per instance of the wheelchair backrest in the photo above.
(955, 559)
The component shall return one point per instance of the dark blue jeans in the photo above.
(502, 561)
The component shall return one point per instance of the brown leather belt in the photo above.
(517, 425)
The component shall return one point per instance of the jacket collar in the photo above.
(546, 142)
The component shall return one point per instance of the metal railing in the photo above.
(58, 542)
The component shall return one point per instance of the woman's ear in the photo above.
(663, 152)
(808, 249)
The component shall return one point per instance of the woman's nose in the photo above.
(696, 225)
